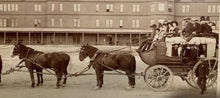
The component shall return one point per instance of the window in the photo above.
(121, 24)
(61, 22)
(136, 8)
(97, 7)
(36, 22)
(97, 23)
(4, 22)
(37, 8)
(111, 7)
(152, 22)
(185, 9)
(52, 7)
(1, 7)
(52, 22)
(111, 23)
(5, 7)
(209, 8)
(61, 7)
(76, 22)
(12, 7)
(218, 8)
(135, 23)
(121, 7)
(76, 7)
(213, 8)
(16, 7)
(1, 23)
(9, 7)
(152, 7)
(170, 8)
(107, 8)
(107, 23)
(161, 7)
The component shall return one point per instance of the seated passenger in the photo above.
(175, 28)
(193, 56)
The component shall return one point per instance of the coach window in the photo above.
(52, 7)
(161, 7)
(97, 7)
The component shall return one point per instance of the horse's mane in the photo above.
(91, 49)
(31, 50)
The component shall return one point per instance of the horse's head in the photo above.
(18, 49)
(87, 51)
(83, 52)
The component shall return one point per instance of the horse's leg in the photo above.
(65, 78)
(32, 77)
(131, 80)
(41, 77)
(101, 78)
(98, 74)
(58, 74)
(38, 78)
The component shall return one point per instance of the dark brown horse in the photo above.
(100, 61)
(57, 61)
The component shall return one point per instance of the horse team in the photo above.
(59, 61)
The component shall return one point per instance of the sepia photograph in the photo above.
(109, 48)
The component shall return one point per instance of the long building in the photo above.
(101, 22)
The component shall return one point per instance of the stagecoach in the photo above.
(164, 65)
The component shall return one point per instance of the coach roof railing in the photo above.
(126, 31)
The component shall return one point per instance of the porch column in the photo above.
(42, 38)
(97, 39)
(54, 38)
(83, 36)
(17, 36)
(29, 38)
(116, 39)
(66, 38)
(4, 37)
(139, 38)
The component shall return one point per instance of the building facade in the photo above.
(113, 22)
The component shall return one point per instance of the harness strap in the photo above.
(95, 55)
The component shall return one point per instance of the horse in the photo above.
(58, 61)
(0, 69)
(103, 61)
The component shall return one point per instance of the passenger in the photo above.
(175, 50)
(202, 50)
(191, 56)
(175, 28)
(202, 73)
(187, 32)
(148, 40)
(196, 26)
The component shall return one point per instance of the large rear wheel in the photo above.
(212, 76)
(158, 77)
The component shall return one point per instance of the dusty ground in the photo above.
(17, 84)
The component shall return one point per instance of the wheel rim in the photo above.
(212, 76)
(190, 79)
(158, 77)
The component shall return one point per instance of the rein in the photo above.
(95, 55)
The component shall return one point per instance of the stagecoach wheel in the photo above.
(190, 79)
(158, 77)
(212, 76)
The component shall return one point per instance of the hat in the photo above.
(212, 23)
(207, 18)
(187, 18)
(202, 57)
(153, 26)
(202, 18)
(174, 22)
(194, 19)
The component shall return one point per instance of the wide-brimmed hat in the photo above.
(194, 19)
(153, 26)
(174, 22)
(212, 23)
(186, 18)
(207, 18)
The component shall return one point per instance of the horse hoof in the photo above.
(57, 87)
